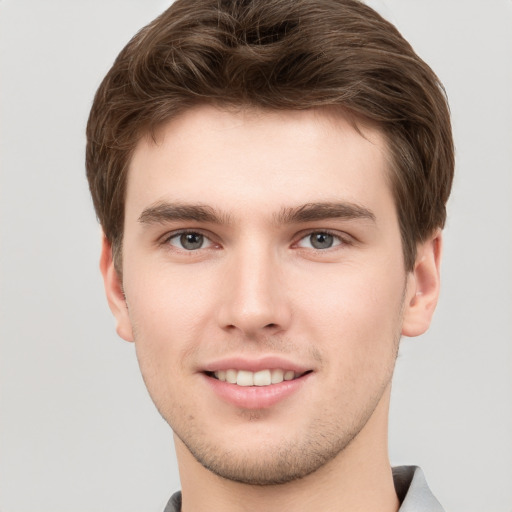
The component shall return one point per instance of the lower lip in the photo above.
(255, 397)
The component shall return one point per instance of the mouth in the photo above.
(260, 378)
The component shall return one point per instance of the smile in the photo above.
(260, 378)
(257, 384)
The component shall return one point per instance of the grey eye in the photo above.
(321, 240)
(191, 241)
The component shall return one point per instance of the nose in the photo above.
(254, 298)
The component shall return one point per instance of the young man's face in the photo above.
(262, 246)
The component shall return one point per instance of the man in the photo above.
(271, 179)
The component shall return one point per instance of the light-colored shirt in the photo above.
(412, 491)
(410, 485)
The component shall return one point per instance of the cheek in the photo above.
(169, 310)
(167, 297)
(357, 331)
(355, 312)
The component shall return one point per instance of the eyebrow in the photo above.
(321, 211)
(167, 212)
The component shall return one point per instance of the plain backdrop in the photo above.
(78, 432)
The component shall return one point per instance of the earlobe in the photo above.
(114, 291)
(423, 287)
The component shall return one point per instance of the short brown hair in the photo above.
(276, 54)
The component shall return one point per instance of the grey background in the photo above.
(77, 429)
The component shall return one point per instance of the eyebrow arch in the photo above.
(321, 211)
(166, 212)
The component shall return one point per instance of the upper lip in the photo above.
(255, 364)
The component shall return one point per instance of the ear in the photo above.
(114, 292)
(423, 287)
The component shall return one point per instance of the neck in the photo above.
(358, 479)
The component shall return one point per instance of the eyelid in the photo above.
(165, 239)
(343, 238)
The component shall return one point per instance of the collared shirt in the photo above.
(410, 485)
(412, 491)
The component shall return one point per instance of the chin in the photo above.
(268, 459)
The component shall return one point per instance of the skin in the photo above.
(258, 287)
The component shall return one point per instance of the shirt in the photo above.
(410, 485)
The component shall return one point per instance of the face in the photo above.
(265, 285)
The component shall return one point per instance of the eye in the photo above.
(320, 240)
(189, 241)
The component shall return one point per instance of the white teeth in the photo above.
(289, 375)
(277, 376)
(231, 376)
(261, 378)
(245, 378)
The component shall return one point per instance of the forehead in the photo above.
(252, 159)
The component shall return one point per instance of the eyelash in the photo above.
(167, 239)
(342, 240)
